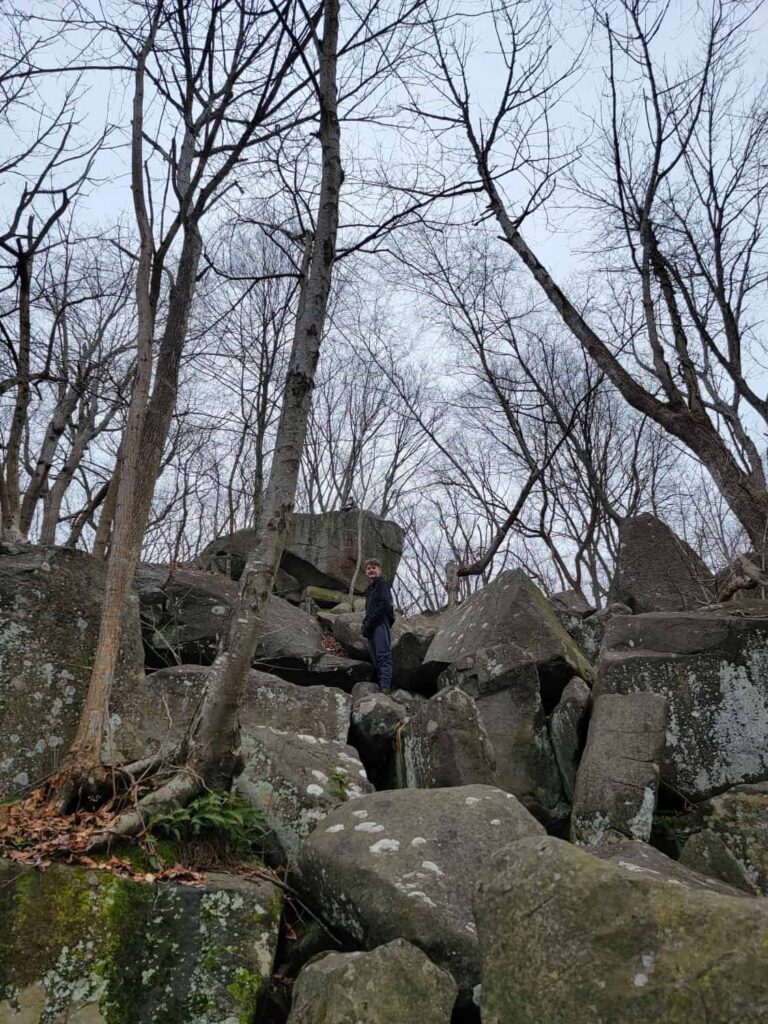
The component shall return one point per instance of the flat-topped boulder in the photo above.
(711, 667)
(321, 551)
(656, 571)
(50, 609)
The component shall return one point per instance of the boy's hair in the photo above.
(373, 561)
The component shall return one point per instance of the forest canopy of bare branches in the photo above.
(547, 309)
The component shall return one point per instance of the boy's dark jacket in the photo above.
(379, 606)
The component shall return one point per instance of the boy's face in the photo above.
(372, 571)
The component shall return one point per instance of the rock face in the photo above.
(711, 667)
(596, 942)
(269, 701)
(706, 853)
(568, 731)
(118, 950)
(50, 607)
(402, 864)
(656, 571)
(184, 613)
(321, 549)
(444, 743)
(374, 724)
(506, 648)
(395, 982)
(296, 779)
(618, 778)
(739, 819)
(410, 642)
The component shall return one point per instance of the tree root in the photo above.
(178, 791)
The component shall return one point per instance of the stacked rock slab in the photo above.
(711, 667)
(506, 648)
(402, 864)
(444, 743)
(618, 778)
(395, 982)
(568, 731)
(50, 609)
(593, 942)
(85, 946)
(174, 693)
(656, 570)
(322, 550)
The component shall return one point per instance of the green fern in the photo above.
(219, 818)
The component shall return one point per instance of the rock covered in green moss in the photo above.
(84, 946)
(50, 608)
(567, 937)
(739, 818)
(395, 982)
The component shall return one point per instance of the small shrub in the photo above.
(216, 827)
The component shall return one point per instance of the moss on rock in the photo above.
(94, 947)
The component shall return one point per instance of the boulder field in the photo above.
(559, 816)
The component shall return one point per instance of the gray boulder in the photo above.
(711, 668)
(592, 941)
(656, 571)
(395, 982)
(50, 609)
(645, 860)
(571, 601)
(444, 743)
(706, 853)
(321, 550)
(374, 723)
(568, 731)
(88, 947)
(402, 864)
(295, 780)
(739, 818)
(506, 648)
(589, 631)
(174, 693)
(618, 777)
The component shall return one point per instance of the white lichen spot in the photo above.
(470, 800)
(369, 826)
(314, 790)
(320, 776)
(385, 846)
(431, 866)
(495, 821)
(640, 979)
(359, 814)
(335, 828)
(419, 841)
(422, 898)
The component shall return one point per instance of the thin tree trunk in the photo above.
(213, 737)
(11, 491)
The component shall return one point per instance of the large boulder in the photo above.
(711, 667)
(444, 743)
(618, 778)
(506, 648)
(374, 723)
(174, 693)
(295, 780)
(321, 551)
(184, 613)
(394, 983)
(656, 571)
(410, 642)
(50, 609)
(87, 947)
(402, 864)
(738, 819)
(706, 853)
(593, 941)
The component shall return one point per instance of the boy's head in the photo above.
(373, 568)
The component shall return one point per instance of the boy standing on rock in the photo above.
(379, 617)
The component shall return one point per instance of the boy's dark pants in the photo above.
(380, 650)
